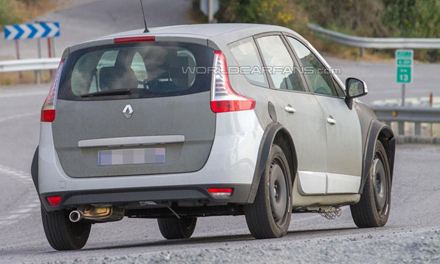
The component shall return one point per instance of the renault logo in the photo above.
(128, 111)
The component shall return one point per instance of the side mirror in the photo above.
(354, 88)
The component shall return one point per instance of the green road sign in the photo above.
(404, 63)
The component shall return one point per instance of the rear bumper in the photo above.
(186, 196)
(231, 164)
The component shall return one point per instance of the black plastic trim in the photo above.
(272, 112)
(71, 199)
(34, 168)
(263, 154)
(376, 127)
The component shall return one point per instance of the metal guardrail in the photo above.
(408, 114)
(377, 43)
(29, 65)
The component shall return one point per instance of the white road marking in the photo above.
(33, 205)
(28, 206)
(7, 222)
(18, 116)
(12, 217)
(23, 94)
(25, 210)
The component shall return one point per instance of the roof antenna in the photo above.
(145, 20)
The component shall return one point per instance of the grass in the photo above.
(11, 78)
(28, 10)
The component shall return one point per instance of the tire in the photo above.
(373, 209)
(174, 228)
(269, 215)
(61, 233)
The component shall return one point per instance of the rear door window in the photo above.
(142, 70)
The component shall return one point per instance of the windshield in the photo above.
(138, 70)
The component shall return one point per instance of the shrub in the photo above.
(7, 14)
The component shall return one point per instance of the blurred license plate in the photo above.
(131, 156)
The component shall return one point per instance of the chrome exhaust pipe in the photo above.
(96, 213)
(76, 216)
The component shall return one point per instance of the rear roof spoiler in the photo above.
(110, 40)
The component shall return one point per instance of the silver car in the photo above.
(206, 120)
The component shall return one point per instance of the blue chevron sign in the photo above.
(32, 31)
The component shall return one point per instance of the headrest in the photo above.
(111, 78)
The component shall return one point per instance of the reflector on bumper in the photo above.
(221, 192)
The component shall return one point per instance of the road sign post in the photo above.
(404, 69)
(209, 8)
(38, 73)
(17, 54)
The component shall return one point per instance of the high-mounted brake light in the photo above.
(134, 39)
(54, 200)
(48, 109)
(221, 192)
(223, 97)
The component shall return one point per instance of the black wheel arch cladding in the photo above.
(383, 133)
(274, 133)
(34, 169)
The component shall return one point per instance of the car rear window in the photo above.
(139, 70)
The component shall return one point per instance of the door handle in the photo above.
(289, 109)
(331, 120)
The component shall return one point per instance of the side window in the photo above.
(315, 72)
(246, 55)
(280, 64)
(138, 67)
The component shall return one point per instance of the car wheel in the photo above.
(61, 233)
(174, 228)
(374, 207)
(269, 215)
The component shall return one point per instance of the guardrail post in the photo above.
(361, 50)
(37, 75)
(401, 127)
(417, 128)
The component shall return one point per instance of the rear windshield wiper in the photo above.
(108, 93)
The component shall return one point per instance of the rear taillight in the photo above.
(48, 109)
(223, 98)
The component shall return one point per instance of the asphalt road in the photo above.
(311, 239)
